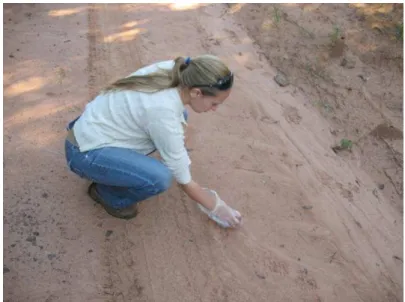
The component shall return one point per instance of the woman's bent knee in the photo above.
(164, 181)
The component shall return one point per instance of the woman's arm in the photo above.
(198, 194)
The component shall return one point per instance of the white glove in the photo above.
(222, 214)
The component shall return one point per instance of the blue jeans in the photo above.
(122, 176)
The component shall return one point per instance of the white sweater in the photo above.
(139, 121)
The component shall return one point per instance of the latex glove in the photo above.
(223, 214)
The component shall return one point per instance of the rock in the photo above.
(281, 79)
(51, 256)
(32, 239)
(108, 233)
(307, 207)
(260, 275)
(381, 186)
(395, 106)
(363, 77)
(348, 63)
(333, 132)
(5, 270)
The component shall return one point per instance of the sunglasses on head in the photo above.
(223, 83)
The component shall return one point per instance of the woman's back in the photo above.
(121, 118)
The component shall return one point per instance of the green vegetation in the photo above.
(346, 144)
(276, 14)
(399, 32)
(334, 36)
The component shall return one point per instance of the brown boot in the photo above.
(125, 213)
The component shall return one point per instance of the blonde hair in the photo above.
(200, 71)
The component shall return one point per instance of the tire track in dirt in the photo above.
(215, 287)
(95, 78)
(275, 265)
(92, 35)
(97, 73)
(209, 43)
(109, 59)
(122, 282)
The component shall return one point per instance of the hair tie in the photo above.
(187, 60)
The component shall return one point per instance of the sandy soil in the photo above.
(318, 225)
(349, 64)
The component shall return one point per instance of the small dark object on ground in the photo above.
(281, 79)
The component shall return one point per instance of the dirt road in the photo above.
(313, 229)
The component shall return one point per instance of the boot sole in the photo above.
(92, 191)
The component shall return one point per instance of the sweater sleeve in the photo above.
(167, 134)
